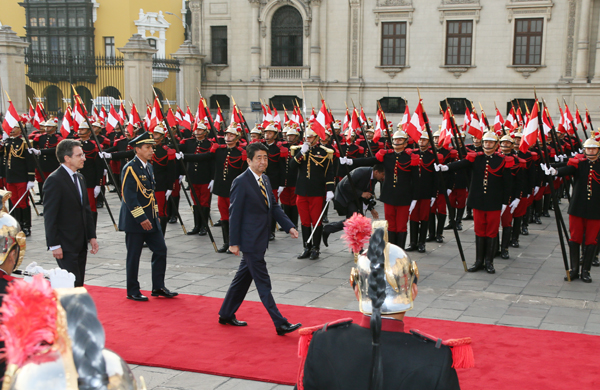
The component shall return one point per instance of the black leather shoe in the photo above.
(411, 247)
(476, 267)
(173, 220)
(287, 328)
(27, 232)
(536, 220)
(546, 214)
(164, 292)
(202, 231)
(450, 226)
(314, 253)
(459, 226)
(421, 248)
(224, 248)
(430, 239)
(232, 321)
(504, 254)
(524, 231)
(218, 223)
(489, 268)
(468, 217)
(138, 297)
(595, 262)
(325, 237)
(514, 243)
(585, 277)
(271, 236)
(574, 275)
(439, 239)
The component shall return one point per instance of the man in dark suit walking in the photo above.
(67, 214)
(250, 212)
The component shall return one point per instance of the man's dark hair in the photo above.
(65, 148)
(253, 148)
(379, 168)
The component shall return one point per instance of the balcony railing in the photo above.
(70, 68)
(285, 72)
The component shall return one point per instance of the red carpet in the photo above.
(183, 334)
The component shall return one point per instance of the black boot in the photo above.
(490, 250)
(431, 228)
(26, 217)
(95, 217)
(196, 228)
(204, 214)
(163, 224)
(479, 254)
(422, 234)
(574, 257)
(41, 193)
(588, 256)
(174, 209)
(546, 205)
(316, 240)
(401, 239)
(414, 236)
(325, 219)
(469, 216)
(330, 228)
(595, 261)
(459, 215)
(16, 213)
(218, 223)
(294, 215)
(225, 230)
(506, 234)
(307, 245)
(514, 240)
(525, 222)
(100, 198)
(441, 218)
(538, 211)
(452, 215)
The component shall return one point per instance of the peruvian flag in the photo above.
(484, 124)
(218, 119)
(354, 125)
(295, 117)
(300, 117)
(78, 114)
(520, 116)
(179, 115)
(446, 132)
(201, 113)
(530, 133)
(67, 123)
(155, 115)
(113, 120)
(414, 128)
(363, 117)
(208, 115)
(147, 117)
(321, 121)
(122, 114)
(134, 119)
(38, 117)
(547, 122)
(267, 116)
(276, 118)
(171, 120)
(404, 121)
(11, 119)
(498, 121)
(561, 122)
(578, 119)
(312, 116)
(286, 118)
(95, 114)
(379, 125)
(588, 120)
(31, 113)
(568, 120)
(467, 119)
(186, 120)
(474, 127)
(511, 121)
(103, 115)
(346, 121)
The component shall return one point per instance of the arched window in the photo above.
(286, 41)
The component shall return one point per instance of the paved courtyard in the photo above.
(527, 290)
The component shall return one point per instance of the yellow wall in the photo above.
(13, 15)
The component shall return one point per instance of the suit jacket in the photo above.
(361, 177)
(68, 222)
(138, 202)
(249, 216)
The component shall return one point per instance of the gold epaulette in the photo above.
(330, 152)
(295, 147)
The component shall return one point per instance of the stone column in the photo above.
(583, 44)
(315, 45)
(355, 41)
(12, 69)
(255, 42)
(189, 77)
(196, 27)
(137, 67)
(596, 78)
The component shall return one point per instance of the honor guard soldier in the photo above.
(139, 220)
(520, 216)
(340, 355)
(426, 195)
(200, 174)
(489, 193)
(46, 144)
(93, 168)
(255, 134)
(20, 176)
(315, 183)
(277, 155)
(97, 128)
(230, 162)
(519, 182)
(119, 154)
(287, 196)
(584, 213)
(165, 174)
(476, 146)
(459, 181)
(368, 142)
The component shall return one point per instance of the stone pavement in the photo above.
(527, 290)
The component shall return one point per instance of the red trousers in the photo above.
(397, 217)
(541, 192)
(161, 202)
(521, 209)
(458, 198)
(309, 209)
(439, 206)
(203, 193)
(18, 189)
(421, 211)
(506, 218)
(288, 196)
(578, 227)
(2, 183)
(92, 199)
(276, 195)
(223, 204)
(486, 223)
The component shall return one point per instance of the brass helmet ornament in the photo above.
(400, 274)
(588, 145)
(11, 236)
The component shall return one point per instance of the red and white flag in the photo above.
(38, 117)
(405, 118)
(588, 120)
(312, 116)
(467, 120)
(322, 121)
(567, 123)
(498, 122)
(113, 120)
(103, 115)
(415, 127)
(218, 119)
(78, 114)
(520, 117)
(363, 117)
(122, 114)
(95, 114)
(379, 125)
(276, 118)
(31, 113)
(134, 119)
(511, 120)
(547, 122)
(295, 118)
(11, 119)
(286, 118)
(530, 133)
(156, 115)
(67, 123)
(354, 125)
(267, 115)
(186, 120)
(445, 137)
(474, 127)
(346, 121)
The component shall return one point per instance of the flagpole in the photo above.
(501, 124)
(562, 151)
(454, 131)
(579, 116)
(387, 130)
(441, 178)
(587, 114)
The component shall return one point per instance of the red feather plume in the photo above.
(358, 232)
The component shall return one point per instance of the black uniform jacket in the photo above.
(428, 177)
(165, 172)
(290, 170)
(315, 170)
(93, 167)
(138, 202)
(198, 172)
(586, 187)
(47, 143)
(491, 180)
(19, 163)
(277, 154)
(339, 358)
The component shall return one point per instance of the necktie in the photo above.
(77, 186)
(263, 190)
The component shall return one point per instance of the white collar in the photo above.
(256, 177)
(143, 163)
(69, 171)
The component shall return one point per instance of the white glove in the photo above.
(544, 168)
(105, 172)
(34, 269)
(30, 185)
(432, 201)
(181, 177)
(503, 209)
(210, 185)
(34, 151)
(551, 172)
(349, 161)
(304, 148)
(514, 204)
(107, 156)
(580, 151)
(280, 190)
(535, 190)
(573, 154)
(329, 196)
(440, 167)
(96, 191)
(179, 155)
(448, 192)
(61, 278)
(557, 158)
(412, 206)
(168, 193)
